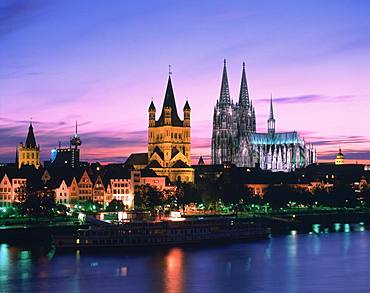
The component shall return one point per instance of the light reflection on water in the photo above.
(293, 263)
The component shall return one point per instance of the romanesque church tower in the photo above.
(169, 139)
(29, 153)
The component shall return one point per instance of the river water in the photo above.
(316, 262)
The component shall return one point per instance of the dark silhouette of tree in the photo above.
(322, 197)
(148, 197)
(366, 195)
(115, 205)
(343, 196)
(278, 196)
(36, 203)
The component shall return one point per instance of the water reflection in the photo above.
(293, 263)
(174, 271)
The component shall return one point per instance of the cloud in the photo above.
(309, 98)
(349, 154)
(338, 141)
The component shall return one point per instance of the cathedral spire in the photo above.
(244, 95)
(225, 93)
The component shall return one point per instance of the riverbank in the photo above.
(31, 232)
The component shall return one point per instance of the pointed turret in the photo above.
(201, 161)
(271, 120)
(244, 95)
(225, 93)
(187, 106)
(151, 106)
(30, 141)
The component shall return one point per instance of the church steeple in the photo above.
(271, 120)
(244, 95)
(30, 141)
(225, 93)
(169, 109)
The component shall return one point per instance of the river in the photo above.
(315, 262)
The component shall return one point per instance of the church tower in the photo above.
(29, 153)
(224, 125)
(169, 139)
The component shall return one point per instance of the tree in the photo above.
(366, 195)
(322, 197)
(343, 196)
(278, 196)
(115, 205)
(148, 197)
(33, 202)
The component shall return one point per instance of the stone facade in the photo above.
(169, 140)
(235, 140)
(29, 153)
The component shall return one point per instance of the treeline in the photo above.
(211, 193)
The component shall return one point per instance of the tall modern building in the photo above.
(169, 140)
(66, 157)
(235, 140)
(29, 153)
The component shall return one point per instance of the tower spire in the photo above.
(271, 108)
(30, 140)
(244, 95)
(271, 120)
(225, 93)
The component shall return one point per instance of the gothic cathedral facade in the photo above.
(235, 139)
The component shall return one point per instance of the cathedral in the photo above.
(235, 139)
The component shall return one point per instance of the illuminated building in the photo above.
(66, 157)
(235, 140)
(29, 153)
(339, 160)
(169, 140)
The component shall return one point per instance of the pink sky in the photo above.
(102, 68)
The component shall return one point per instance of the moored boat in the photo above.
(157, 233)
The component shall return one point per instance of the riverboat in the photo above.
(161, 233)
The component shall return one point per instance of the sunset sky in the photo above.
(101, 63)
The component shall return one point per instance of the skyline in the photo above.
(104, 68)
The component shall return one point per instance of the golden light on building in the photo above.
(169, 140)
(29, 153)
(339, 160)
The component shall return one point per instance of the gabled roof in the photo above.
(115, 172)
(154, 164)
(148, 173)
(174, 152)
(159, 152)
(137, 159)
(180, 164)
(169, 101)
(65, 173)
